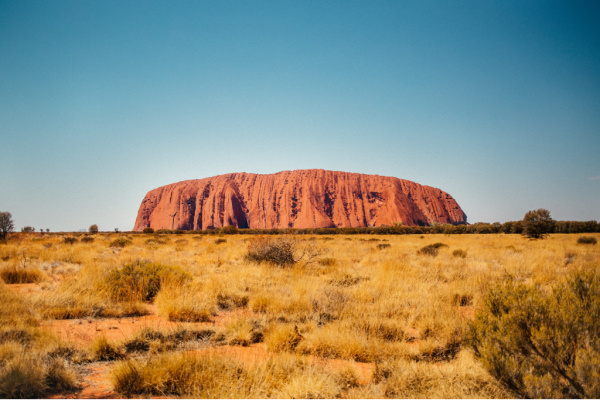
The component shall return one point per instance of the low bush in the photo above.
(87, 239)
(459, 253)
(587, 240)
(120, 242)
(382, 246)
(148, 230)
(70, 240)
(282, 251)
(278, 251)
(431, 249)
(141, 280)
(541, 344)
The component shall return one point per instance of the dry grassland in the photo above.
(367, 303)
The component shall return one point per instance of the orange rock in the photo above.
(311, 198)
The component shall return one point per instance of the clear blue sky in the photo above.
(495, 102)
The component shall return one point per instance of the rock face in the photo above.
(295, 199)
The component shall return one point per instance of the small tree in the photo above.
(537, 224)
(6, 224)
(94, 228)
(28, 229)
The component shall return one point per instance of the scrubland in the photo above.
(361, 316)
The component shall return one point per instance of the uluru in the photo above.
(310, 198)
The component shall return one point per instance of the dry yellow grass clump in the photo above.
(399, 305)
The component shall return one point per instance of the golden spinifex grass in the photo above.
(209, 375)
(33, 363)
(405, 310)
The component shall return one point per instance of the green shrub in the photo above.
(542, 344)
(87, 239)
(142, 280)
(382, 246)
(220, 240)
(148, 230)
(120, 242)
(587, 240)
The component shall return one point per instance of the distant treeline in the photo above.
(398, 229)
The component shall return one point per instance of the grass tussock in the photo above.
(155, 341)
(90, 294)
(18, 274)
(102, 350)
(185, 304)
(457, 379)
(245, 331)
(142, 280)
(32, 361)
(209, 375)
(283, 337)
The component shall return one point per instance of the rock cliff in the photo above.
(298, 199)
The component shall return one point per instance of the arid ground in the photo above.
(116, 315)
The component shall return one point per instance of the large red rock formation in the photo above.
(299, 199)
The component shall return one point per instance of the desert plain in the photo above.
(112, 315)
